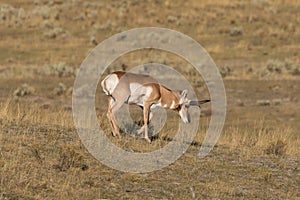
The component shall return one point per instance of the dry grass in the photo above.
(42, 158)
(260, 136)
(263, 139)
(46, 114)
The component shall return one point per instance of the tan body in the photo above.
(144, 91)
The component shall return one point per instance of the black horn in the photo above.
(198, 103)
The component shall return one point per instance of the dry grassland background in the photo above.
(255, 44)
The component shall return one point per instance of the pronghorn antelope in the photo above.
(146, 92)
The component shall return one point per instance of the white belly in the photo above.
(139, 94)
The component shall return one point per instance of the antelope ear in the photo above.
(183, 96)
(184, 93)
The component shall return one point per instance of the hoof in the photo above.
(148, 140)
(115, 134)
(140, 131)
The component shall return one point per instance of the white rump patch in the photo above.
(111, 81)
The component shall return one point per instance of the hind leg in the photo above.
(111, 118)
(115, 105)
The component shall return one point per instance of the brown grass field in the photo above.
(255, 44)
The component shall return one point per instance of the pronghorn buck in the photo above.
(146, 92)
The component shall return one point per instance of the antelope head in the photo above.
(184, 104)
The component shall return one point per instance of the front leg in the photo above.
(142, 129)
(146, 120)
